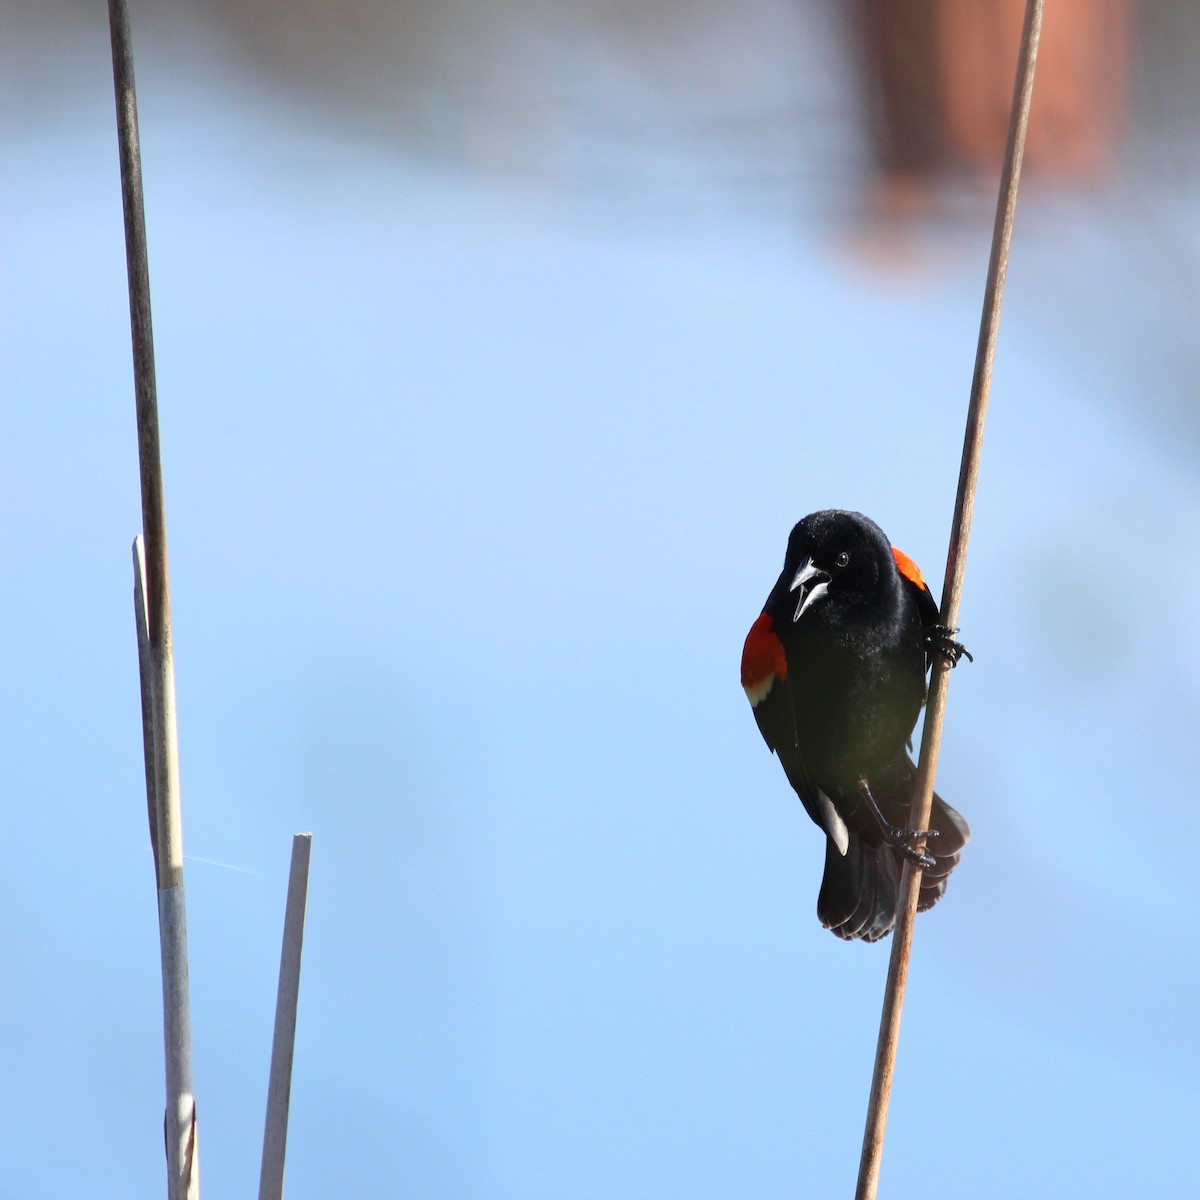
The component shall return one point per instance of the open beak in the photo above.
(812, 583)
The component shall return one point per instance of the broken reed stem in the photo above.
(162, 779)
(155, 659)
(279, 1089)
(146, 682)
(964, 505)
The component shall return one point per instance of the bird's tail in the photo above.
(860, 890)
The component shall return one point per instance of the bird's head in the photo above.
(835, 559)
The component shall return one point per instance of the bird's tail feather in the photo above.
(860, 891)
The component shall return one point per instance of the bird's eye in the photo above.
(842, 560)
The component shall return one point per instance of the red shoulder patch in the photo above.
(763, 659)
(909, 569)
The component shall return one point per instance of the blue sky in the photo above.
(472, 495)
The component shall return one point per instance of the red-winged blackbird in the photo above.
(835, 671)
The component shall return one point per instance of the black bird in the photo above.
(835, 671)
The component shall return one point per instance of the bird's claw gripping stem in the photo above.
(939, 639)
(899, 840)
(896, 836)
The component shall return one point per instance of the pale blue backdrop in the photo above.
(473, 490)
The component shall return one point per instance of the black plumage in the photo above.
(835, 670)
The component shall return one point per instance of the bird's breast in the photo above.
(856, 701)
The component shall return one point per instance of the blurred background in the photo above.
(499, 347)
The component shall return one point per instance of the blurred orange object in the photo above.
(938, 76)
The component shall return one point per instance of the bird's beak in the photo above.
(812, 583)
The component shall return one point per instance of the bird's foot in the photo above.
(939, 640)
(900, 839)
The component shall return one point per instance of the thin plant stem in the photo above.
(279, 1088)
(922, 801)
(162, 775)
(155, 657)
